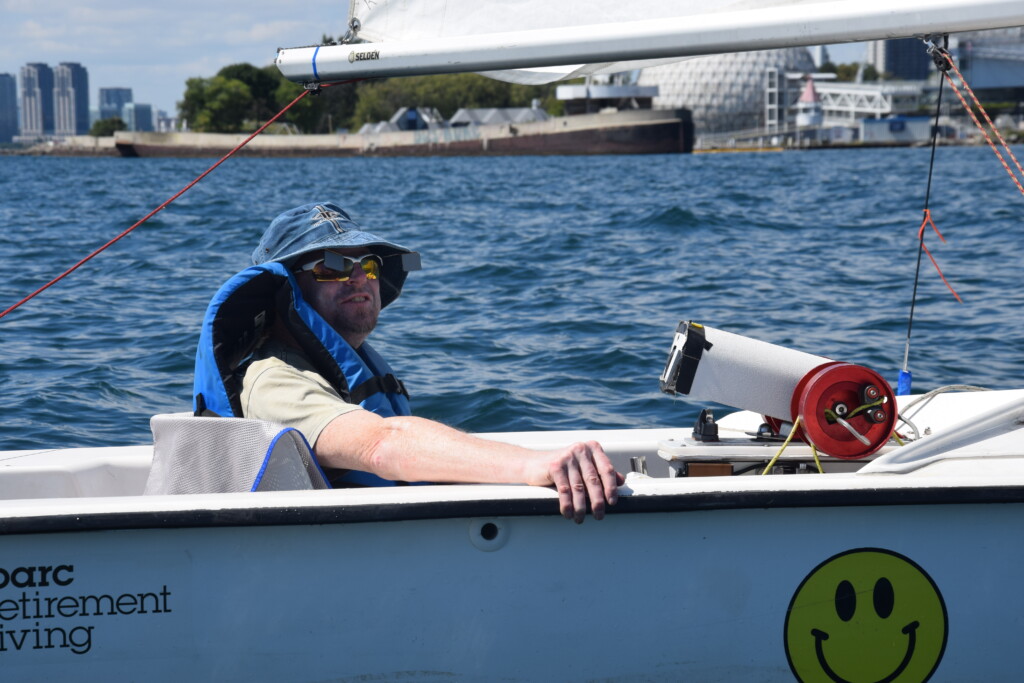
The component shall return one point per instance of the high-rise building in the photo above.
(138, 117)
(71, 99)
(36, 100)
(112, 101)
(904, 59)
(8, 108)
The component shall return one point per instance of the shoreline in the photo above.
(326, 146)
(642, 131)
(638, 131)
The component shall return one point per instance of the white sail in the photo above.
(547, 41)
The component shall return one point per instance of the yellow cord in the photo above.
(817, 462)
(897, 438)
(792, 431)
(831, 416)
(865, 406)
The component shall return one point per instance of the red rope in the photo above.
(157, 209)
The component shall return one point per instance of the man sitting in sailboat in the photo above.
(287, 344)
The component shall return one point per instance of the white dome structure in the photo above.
(724, 92)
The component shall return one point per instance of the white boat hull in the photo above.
(700, 591)
(688, 578)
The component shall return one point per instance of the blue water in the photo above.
(551, 286)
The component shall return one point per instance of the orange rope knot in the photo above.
(925, 222)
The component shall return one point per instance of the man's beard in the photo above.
(364, 323)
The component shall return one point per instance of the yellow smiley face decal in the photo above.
(866, 616)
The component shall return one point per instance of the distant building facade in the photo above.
(37, 120)
(904, 59)
(593, 97)
(138, 117)
(8, 108)
(112, 101)
(165, 123)
(70, 99)
(903, 129)
(808, 106)
(407, 118)
(993, 62)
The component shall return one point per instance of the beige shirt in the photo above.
(280, 385)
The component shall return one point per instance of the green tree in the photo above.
(193, 101)
(325, 111)
(305, 113)
(375, 102)
(216, 105)
(339, 103)
(262, 84)
(847, 72)
(243, 95)
(107, 127)
(322, 111)
(524, 95)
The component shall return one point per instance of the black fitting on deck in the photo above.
(705, 429)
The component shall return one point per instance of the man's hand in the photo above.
(415, 449)
(579, 473)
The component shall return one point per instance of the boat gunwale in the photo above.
(676, 502)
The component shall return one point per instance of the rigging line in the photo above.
(925, 223)
(165, 204)
(792, 432)
(152, 213)
(817, 460)
(984, 132)
(920, 240)
(987, 119)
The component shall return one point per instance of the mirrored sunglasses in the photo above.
(336, 267)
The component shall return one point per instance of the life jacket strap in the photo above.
(387, 384)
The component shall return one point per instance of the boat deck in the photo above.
(980, 459)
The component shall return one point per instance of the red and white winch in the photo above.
(844, 410)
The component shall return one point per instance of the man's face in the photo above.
(350, 307)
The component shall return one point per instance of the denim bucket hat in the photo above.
(325, 225)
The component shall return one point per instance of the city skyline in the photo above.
(154, 49)
(46, 102)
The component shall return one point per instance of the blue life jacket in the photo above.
(239, 316)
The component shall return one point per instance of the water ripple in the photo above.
(551, 286)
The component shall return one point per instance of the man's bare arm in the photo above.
(416, 449)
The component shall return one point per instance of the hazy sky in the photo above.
(154, 47)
